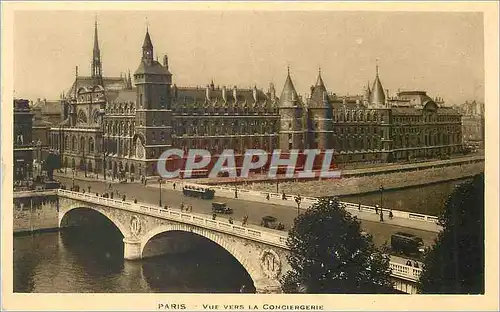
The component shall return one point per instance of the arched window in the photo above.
(91, 145)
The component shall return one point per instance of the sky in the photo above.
(438, 52)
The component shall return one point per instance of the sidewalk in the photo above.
(90, 177)
(363, 215)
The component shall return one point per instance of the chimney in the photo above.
(254, 93)
(235, 94)
(165, 61)
(175, 91)
(224, 95)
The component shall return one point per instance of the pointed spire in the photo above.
(377, 92)
(319, 81)
(147, 48)
(319, 94)
(96, 38)
(289, 96)
(147, 41)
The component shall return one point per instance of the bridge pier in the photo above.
(131, 248)
(267, 286)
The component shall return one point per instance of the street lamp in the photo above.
(298, 199)
(160, 180)
(101, 113)
(235, 187)
(381, 189)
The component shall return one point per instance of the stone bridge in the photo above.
(261, 251)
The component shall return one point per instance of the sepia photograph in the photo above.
(247, 150)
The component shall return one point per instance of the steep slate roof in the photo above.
(318, 93)
(289, 96)
(155, 68)
(198, 95)
(110, 83)
(377, 95)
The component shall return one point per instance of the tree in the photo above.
(455, 264)
(329, 254)
(52, 162)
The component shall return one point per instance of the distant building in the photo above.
(138, 121)
(473, 123)
(23, 145)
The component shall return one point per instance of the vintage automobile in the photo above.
(198, 191)
(271, 223)
(219, 207)
(407, 244)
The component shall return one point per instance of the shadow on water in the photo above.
(204, 268)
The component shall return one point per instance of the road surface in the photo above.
(381, 232)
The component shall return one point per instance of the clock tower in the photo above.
(153, 120)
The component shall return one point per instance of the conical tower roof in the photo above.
(319, 94)
(289, 96)
(147, 41)
(377, 94)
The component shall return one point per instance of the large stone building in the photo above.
(137, 122)
(23, 144)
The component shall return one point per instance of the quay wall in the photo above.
(35, 211)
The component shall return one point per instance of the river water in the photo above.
(80, 260)
(428, 199)
(90, 258)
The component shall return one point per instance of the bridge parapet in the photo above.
(263, 236)
(399, 271)
(307, 202)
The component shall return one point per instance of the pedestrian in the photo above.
(415, 264)
(230, 220)
(391, 215)
(214, 216)
(123, 198)
(174, 186)
(381, 216)
(359, 206)
(376, 209)
(135, 200)
(283, 197)
(267, 197)
(190, 208)
(97, 194)
(112, 195)
(182, 206)
(408, 263)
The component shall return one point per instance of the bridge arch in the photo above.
(122, 228)
(210, 235)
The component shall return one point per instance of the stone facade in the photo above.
(23, 142)
(137, 123)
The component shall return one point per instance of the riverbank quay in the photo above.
(35, 211)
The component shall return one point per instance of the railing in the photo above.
(405, 271)
(397, 270)
(188, 218)
(275, 198)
